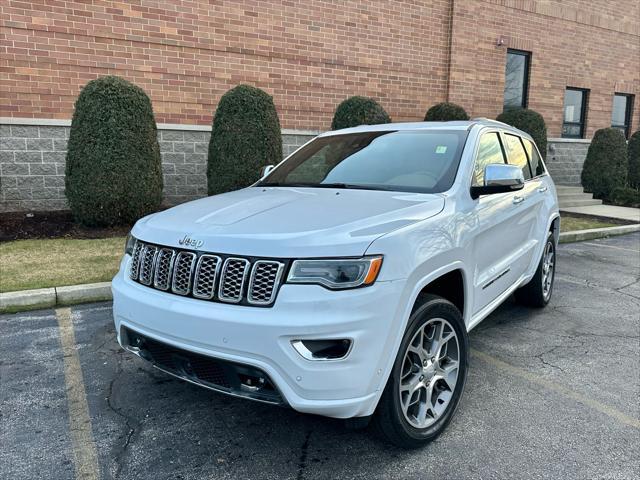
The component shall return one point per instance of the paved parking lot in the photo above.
(551, 394)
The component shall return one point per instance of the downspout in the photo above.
(449, 53)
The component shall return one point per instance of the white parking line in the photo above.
(611, 246)
(84, 447)
(555, 387)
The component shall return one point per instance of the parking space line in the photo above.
(555, 387)
(611, 246)
(84, 447)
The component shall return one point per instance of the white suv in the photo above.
(345, 281)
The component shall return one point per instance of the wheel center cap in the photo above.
(429, 370)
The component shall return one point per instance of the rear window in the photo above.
(534, 158)
(516, 154)
(412, 161)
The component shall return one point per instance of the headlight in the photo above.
(336, 273)
(129, 244)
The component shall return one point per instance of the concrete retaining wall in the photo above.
(32, 161)
(565, 158)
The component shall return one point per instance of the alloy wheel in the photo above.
(548, 263)
(429, 373)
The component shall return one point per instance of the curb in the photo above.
(24, 300)
(593, 233)
(21, 301)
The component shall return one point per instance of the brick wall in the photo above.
(186, 54)
(585, 44)
(32, 162)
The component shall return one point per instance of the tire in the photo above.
(409, 384)
(537, 292)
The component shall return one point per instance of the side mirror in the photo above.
(266, 170)
(499, 178)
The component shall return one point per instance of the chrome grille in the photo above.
(182, 271)
(164, 266)
(234, 274)
(147, 261)
(206, 273)
(265, 276)
(207, 276)
(135, 260)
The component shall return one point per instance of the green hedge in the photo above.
(605, 167)
(444, 112)
(356, 111)
(626, 197)
(528, 121)
(113, 170)
(245, 137)
(634, 160)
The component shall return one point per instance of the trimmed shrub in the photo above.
(528, 121)
(626, 197)
(245, 137)
(605, 167)
(356, 111)
(634, 160)
(113, 170)
(445, 112)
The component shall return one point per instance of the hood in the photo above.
(287, 222)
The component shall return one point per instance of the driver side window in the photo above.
(489, 151)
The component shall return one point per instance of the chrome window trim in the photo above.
(223, 276)
(276, 282)
(215, 276)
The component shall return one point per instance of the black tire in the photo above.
(389, 419)
(533, 294)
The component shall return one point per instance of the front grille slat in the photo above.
(265, 277)
(164, 267)
(234, 274)
(135, 260)
(182, 271)
(147, 262)
(207, 276)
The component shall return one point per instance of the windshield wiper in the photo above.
(349, 186)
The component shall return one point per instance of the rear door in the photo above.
(500, 232)
(530, 202)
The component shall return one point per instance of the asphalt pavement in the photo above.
(551, 393)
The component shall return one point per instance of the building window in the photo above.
(575, 112)
(621, 112)
(516, 79)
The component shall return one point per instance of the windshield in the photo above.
(406, 161)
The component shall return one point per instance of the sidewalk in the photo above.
(607, 211)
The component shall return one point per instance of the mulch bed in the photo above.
(59, 224)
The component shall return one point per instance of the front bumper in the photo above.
(261, 337)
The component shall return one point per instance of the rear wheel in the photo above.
(537, 292)
(428, 376)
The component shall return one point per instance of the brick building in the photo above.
(577, 62)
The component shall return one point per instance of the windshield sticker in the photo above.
(441, 149)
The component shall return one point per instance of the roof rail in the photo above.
(488, 120)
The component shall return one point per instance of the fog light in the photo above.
(334, 349)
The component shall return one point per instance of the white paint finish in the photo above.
(422, 237)
(288, 222)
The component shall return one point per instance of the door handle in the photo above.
(542, 189)
(517, 199)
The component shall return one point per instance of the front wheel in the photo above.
(537, 292)
(428, 376)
